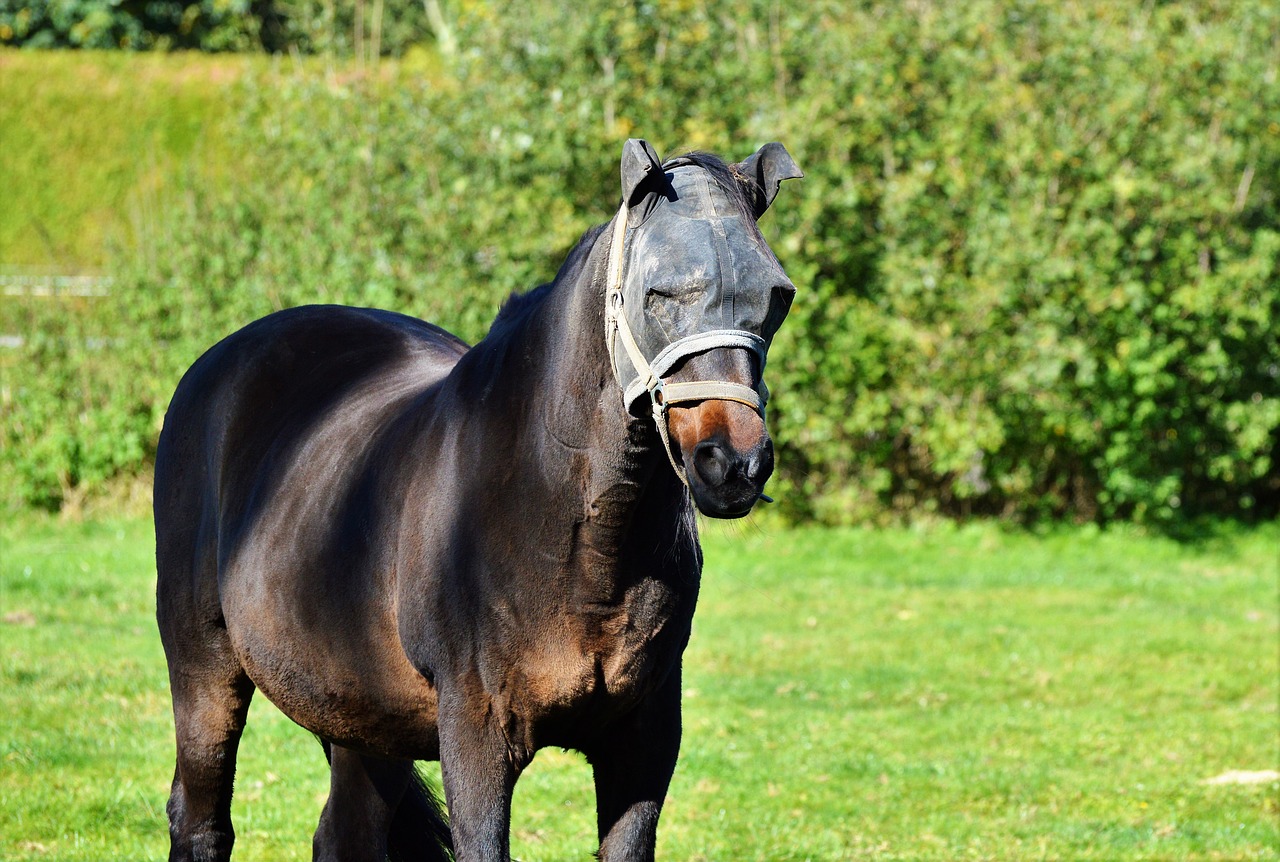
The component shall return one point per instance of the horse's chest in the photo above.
(600, 661)
(631, 649)
(647, 631)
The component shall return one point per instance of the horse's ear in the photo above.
(644, 184)
(767, 167)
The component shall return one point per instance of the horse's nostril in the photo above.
(760, 466)
(713, 464)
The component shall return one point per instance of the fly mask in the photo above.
(689, 272)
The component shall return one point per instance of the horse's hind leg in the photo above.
(364, 793)
(211, 695)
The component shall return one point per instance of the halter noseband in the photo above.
(661, 393)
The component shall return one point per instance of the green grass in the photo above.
(943, 693)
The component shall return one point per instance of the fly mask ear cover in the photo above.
(688, 273)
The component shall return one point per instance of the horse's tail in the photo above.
(420, 828)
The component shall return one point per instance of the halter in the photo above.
(661, 393)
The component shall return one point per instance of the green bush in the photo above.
(1036, 246)
(213, 25)
(1045, 246)
(306, 26)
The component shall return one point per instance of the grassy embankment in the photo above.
(933, 694)
(90, 140)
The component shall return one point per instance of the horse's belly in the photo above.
(337, 672)
(365, 711)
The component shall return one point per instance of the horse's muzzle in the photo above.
(723, 445)
(726, 482)
(726, 453)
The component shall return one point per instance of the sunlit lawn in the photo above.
(943, 693)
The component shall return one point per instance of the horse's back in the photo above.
(257, 392)
(305, 358)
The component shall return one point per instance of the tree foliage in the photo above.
(215, 25)
(364, 27)
(1036, 246)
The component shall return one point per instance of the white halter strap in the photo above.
(661, 393)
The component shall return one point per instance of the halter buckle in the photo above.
(657, 393)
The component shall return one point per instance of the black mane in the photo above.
(518, 306)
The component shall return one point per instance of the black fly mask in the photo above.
(690, 272)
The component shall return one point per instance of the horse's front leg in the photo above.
(633, 768)
(479, 769)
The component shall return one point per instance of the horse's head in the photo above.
(695, 296)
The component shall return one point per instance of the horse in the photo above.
(420, 550)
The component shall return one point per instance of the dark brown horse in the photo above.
(419, 550)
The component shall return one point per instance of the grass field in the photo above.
(943, 693)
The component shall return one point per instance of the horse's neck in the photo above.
(613, 463)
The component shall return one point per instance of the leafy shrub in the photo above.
(1045, 248)
(306, 26)
(1036, 246)
(214, 25)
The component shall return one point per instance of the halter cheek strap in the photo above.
(661, 393)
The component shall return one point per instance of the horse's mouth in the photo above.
(736, 503)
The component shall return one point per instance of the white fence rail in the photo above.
(25, 282)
